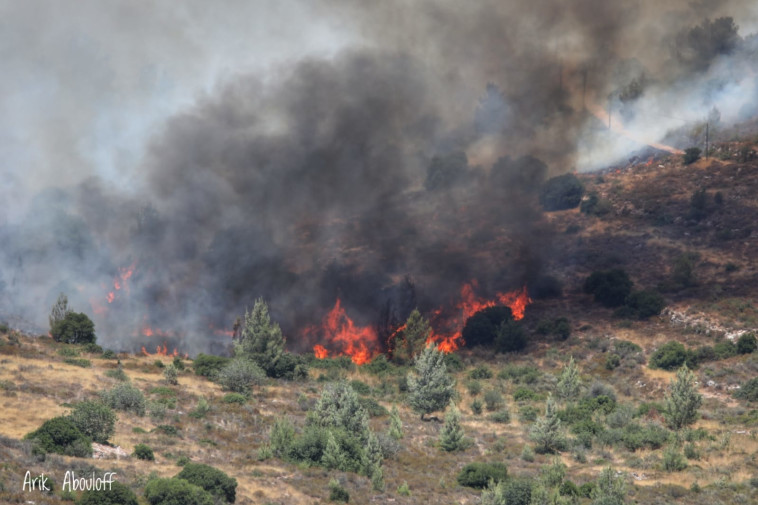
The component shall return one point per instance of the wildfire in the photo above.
(120, 281)
(469, 305)
(163, 351)
(340, 333)
(361, 343)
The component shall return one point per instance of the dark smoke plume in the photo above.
(387, 174)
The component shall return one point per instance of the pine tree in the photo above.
(569, 381)
(59, 311)
(546, 432)
(451, 436)
(610, 489)
(682, 400)
(396, 425)
(261, 339)
(412, 339)
(431, 388)
(332, 458)
(339, 407)
(372, 462)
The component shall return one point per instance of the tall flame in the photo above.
(361, 343)
(163, 351)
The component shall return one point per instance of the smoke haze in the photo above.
(200, 158)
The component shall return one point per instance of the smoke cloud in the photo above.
(167, 167)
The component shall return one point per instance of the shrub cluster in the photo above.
(60, 435)
(125, 397)
(216, 482)
(562, 192)
(208, 365)
(478, 474)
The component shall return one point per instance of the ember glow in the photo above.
(346, 338)
(340, 336)
(120, 281)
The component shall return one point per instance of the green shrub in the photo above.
(559, 328)
(80, 362)
(652, 436)
(595, 206)
(144, 452)
(493, 400)
(524, 394)
(568, 488)
(372, 407)
(612, 361)
(586, 489)
(691, 452)
(474, 387)
(510, 337)
(109, 354)
(403, 489)
(480, 372)
(74, 328)
(724, 349)
(476, 407)
(746, 344)
(528, 413)
(167, 429)
(239, 375)
(379, 366)
(562, 192)
(360, 387)
(69, 352)
(482, 327)
(118, 374)
(216, 482)
(208, 365)
(171, 374)
(673, 461)
(670, 356)
(610, 288)
(338, 493)
(116, 494)
(176, 492)
(691, 155)
(125, 397)
(92, 348)
(748, 391)
(95, 420)
(60, 435)
(501, 417)
(235, 398)
(645, 304)
(478, 474)
(520, 374)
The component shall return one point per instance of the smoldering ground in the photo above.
(315, 181)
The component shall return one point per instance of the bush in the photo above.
(501, 417)
(691, 155)
(118, 374)
(493, 400)
(746, 344)
(724, 349)
(74, 328)
(239, 375)
(610, 287)
(176, 492)
(480, 372)
(482, 327)
(652, 436)
(337, 492)
(478, 474)
(523, 394)
(143, 452)
(562, 192)
(211, 479)
(60, 435)
(372, 407)
(289, 366)
(669, 356)
(559, 328)
(125, 397)
(474, 387)
(595, 206)
(510, 337)
(235, 398)
(748, 391)
(476, 407)
(645, 304)
(80, 362)
(171, 374)
(93, 348)
(360, 387)
(208, 365)
(612, 361)
(673, 461)
(95, 420)
(116, 494)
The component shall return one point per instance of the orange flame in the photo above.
(358, 342)
(163, 351)
(320, 351)
(119, 282)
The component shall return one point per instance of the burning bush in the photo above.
(561, 193)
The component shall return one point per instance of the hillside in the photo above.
(697, 250)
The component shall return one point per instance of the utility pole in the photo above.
(706, 140)
(609, 112)
(584, 87)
